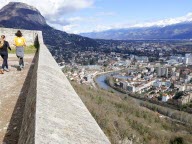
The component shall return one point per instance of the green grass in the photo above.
(28, 50)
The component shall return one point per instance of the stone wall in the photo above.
(28, 34)
(54, 113)
(27, 133)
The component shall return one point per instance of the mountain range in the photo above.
(182, 30)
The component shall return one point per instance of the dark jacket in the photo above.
(4, 50)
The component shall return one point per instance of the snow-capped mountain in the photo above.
(173, 28)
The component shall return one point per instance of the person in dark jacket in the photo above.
(4, 53)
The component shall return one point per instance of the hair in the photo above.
(19, 34)
(2, 41)
(3, 36)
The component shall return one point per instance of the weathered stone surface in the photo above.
(54, 113)
(27, 133)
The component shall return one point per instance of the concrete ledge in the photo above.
(54, 113)
(27, 132)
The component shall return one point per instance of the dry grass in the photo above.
(123, 119)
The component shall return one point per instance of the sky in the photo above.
(79, 16)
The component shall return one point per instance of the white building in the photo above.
(131, 87)
(159, 83)
(179, 58)
(165, 98)
(172, 62)
(188, 59)
(142, 59)
(188, 78)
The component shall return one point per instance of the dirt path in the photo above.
(11, 90)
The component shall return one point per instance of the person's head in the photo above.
(19, 34)
(2, 37)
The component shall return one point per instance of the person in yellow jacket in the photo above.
(20, 43)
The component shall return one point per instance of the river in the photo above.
(100, 80)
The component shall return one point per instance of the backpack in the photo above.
(1, 44)
(19, 41)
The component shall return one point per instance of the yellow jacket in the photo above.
(19, 41)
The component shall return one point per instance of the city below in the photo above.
(158, 71)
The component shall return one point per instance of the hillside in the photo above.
(123, 120)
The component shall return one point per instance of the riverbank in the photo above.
(143, 98)
(99, 80)
(163, 109)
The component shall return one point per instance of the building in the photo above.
(172, 62)
(157, 83)
(165, 97)
(131, 88)
(142, 59)
(188, 59)
(188, 78)
(185, 99)
(162, 71)
(139, 87)
(178, 58)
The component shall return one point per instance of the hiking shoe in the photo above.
(6, 69)
(21, 67)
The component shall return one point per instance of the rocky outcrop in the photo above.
(21, 15)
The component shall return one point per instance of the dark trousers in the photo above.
(5, 63)
(21, 61)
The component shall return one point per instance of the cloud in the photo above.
(54, 10)
(82, 19)
(159, 23)
(102, 27)
(166, 22)
(57, 20)
(95, 24)
(72, 28)
(54, 7)
(106, 14)
(75, 19)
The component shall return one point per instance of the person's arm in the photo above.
(8, 46)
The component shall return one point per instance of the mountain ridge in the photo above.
(14, 13)
(22, 16)
(176, 31)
